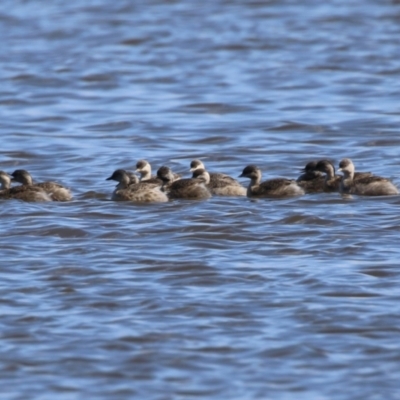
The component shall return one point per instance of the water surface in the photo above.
(225, 298)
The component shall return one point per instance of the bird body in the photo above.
(364, 186)
(22, 192)
(56, 191)
(278, 187)
(136, 192)
(192, 188)
(220, 184)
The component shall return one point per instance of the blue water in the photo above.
(224, 298)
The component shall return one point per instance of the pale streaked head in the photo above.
(196, 164)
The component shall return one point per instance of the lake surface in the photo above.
(220, 299)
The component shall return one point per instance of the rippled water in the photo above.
(220, 299)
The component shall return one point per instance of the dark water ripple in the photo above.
(226, 298)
